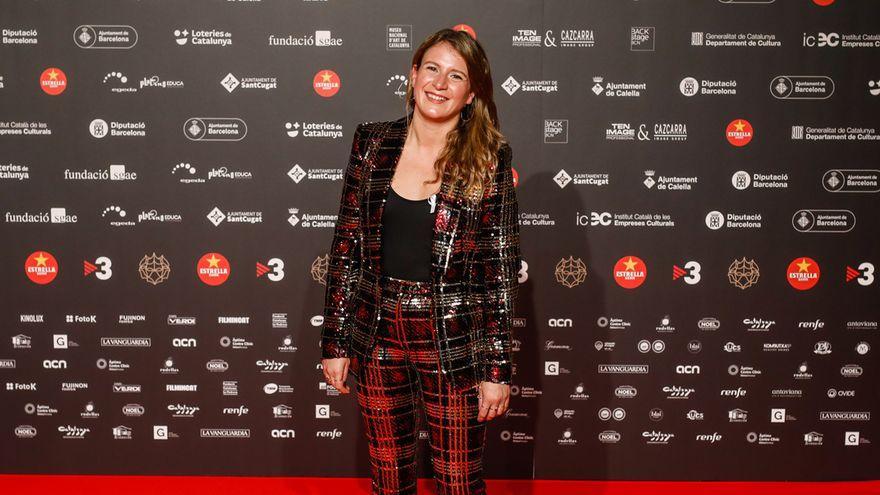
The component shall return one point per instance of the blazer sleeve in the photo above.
(344, 258)
(499, 252)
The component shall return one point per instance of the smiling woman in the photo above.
(422, 273)
(450, 81)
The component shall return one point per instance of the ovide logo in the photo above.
(213, 269)
(630, 272)
(41, 267)
(803, 273)
(53, 81)
(326, 83)
(739, 132)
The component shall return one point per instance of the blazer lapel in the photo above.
(448, 211)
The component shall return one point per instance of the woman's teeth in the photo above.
(438, 99)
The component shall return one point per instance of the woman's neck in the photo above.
(427, 134)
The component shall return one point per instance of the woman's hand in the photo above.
(494, 398)
(335, 372)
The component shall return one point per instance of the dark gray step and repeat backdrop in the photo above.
(697, 181)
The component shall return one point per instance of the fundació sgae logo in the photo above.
(630, 272)
(213, 268)
(326, 83)
(803, 273)
(739, 132)
(41, 267)
(53, 81)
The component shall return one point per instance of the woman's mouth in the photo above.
(435, 98)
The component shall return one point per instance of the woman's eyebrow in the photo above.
(435, 63)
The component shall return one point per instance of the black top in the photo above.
(407, 232)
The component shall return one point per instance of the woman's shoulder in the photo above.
(505, 151)
(505, 155)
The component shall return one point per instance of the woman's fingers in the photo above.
(488, 410)
(484, 409)
(335, 372)
(338, 384)
(493, 402)
(341, 386)
(492, 413)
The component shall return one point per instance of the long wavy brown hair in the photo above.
(471, 149)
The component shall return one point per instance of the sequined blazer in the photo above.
(475, 259)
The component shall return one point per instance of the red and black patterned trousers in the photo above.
(402, 372)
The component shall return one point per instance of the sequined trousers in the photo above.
(402, 378)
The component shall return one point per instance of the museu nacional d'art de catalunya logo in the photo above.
(213, 269)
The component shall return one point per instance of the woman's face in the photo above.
(441, 86)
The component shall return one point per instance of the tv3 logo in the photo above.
(690, 273)
(864, 274)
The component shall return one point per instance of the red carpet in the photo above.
(217, 485)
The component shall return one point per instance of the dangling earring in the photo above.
(469, 113)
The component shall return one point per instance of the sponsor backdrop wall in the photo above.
(697, 184)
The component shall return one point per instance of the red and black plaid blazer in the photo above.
(474, 263)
